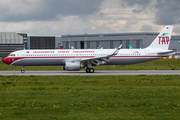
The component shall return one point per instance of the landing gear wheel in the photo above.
(87, 70)
(91, 70)
(23, 71)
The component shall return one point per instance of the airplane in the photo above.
(99, 47)
(75, 59)
(61, 47)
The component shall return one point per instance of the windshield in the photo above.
(12, 55)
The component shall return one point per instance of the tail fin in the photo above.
(162, 41)
(130, 47)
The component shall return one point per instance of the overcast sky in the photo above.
(62, 17)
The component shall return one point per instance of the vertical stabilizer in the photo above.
(162, 41)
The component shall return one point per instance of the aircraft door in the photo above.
(22, 54)
(147, 53)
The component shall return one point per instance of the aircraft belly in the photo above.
(127, 61)
(39, 62)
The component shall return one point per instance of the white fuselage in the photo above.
(58, 57)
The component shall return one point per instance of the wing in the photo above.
(100, 59)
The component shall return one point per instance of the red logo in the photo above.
(163, 40)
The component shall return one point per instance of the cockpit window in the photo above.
(12, 55)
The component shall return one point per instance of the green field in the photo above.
(90, 97)
(161, 64)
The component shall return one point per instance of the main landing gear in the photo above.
(89, 70)
(23, 71)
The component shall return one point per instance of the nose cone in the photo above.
(6, 60)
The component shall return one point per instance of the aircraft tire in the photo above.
(87, 70)
(22, 71)
(91, 70)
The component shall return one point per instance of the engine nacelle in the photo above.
(73, 65)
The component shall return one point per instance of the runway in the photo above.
(97, 72)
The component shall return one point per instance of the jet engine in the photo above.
(73, 65)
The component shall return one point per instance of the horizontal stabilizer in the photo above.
(167, 52)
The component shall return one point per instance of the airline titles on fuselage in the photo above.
(61, 52)
(42, 52)
(83, 51)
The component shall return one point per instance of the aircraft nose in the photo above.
(6, 60)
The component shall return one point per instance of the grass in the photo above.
(90, 97)
(161, 64)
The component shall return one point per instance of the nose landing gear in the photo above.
(23, 71)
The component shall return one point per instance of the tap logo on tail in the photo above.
(163, 39)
